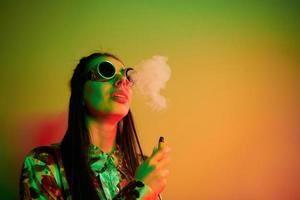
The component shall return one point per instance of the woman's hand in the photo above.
(153, 172)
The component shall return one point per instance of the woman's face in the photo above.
(109, 97)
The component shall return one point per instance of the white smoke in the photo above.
(150, 78)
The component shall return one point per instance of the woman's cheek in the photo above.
(97, 97)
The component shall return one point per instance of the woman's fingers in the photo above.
(163, 163)
(160, 155)
(164, 173)
(158, 161)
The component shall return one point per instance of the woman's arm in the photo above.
(38, 179)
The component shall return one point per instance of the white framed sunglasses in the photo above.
(106, 71)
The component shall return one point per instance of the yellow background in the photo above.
(233, 98)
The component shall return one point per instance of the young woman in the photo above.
(100, 155)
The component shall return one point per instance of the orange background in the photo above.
(233, 98)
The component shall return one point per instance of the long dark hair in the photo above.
(74, 146)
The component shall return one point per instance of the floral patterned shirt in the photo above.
(43, 175)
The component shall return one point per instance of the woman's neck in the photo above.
(102, 132)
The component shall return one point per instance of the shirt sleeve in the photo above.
(136, 190)
(37, 179)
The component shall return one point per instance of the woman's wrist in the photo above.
(131, 191)
(146, 193)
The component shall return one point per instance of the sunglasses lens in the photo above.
(106, 70)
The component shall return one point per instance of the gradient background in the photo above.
(233, 98)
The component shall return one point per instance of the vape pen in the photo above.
(161, 142)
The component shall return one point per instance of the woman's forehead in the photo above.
(95, 61)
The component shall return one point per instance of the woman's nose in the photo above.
(121, 80)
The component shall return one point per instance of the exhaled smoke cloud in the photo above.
(150, 77)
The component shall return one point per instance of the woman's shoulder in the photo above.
(47, 155)
(42, 174)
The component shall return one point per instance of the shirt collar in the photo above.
(99, 159)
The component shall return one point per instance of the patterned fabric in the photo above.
(43, 175)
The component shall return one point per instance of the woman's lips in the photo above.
(120, 97)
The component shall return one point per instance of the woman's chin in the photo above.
(121, 107)
(121, 110)
(118, 111)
